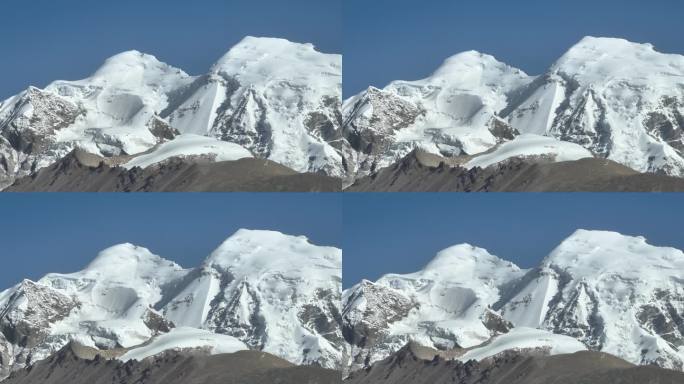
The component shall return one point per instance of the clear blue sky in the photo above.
(53, 232)
(45, 40)
(401, 232)
(387, 40)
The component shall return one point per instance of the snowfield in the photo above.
(185, 338)
(521, 339)
(190, 145)
(528, 145)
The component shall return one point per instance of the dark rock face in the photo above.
(246, 367)
(667, 123)
(366, 330)
(370, 136)
(502, 130)
(26, 322)
(495, 323)
(157, 323)
(664, 316)
(30, 313)
(226, 319)
(570, 121)
(27, 134)
(407, 367)
(176, 174)
(410, 174)
(383, 307)
(31, 132)
(161, 130)
(233, 123)
(325, 320)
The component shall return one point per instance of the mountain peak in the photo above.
(257, 60)
(127, 260)
(596, 59)
(256, 251)
(464, 63)
(468, 260)
(592, 253)
(132, 68)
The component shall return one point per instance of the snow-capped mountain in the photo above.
(620, 100)
(277, 293)
(446, 305)
(274, 98)
(613, 293)
(269, 291)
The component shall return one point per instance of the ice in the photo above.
(529, 145)
(521, 339)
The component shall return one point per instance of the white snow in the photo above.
(190, 145)
(185, 338)
(521, 339)
(529, 145)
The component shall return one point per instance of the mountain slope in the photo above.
(409, 366)
(424, 172)
(72, 366)
(127, 298)
(286, 113)
(622, 101)
(82, 172)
